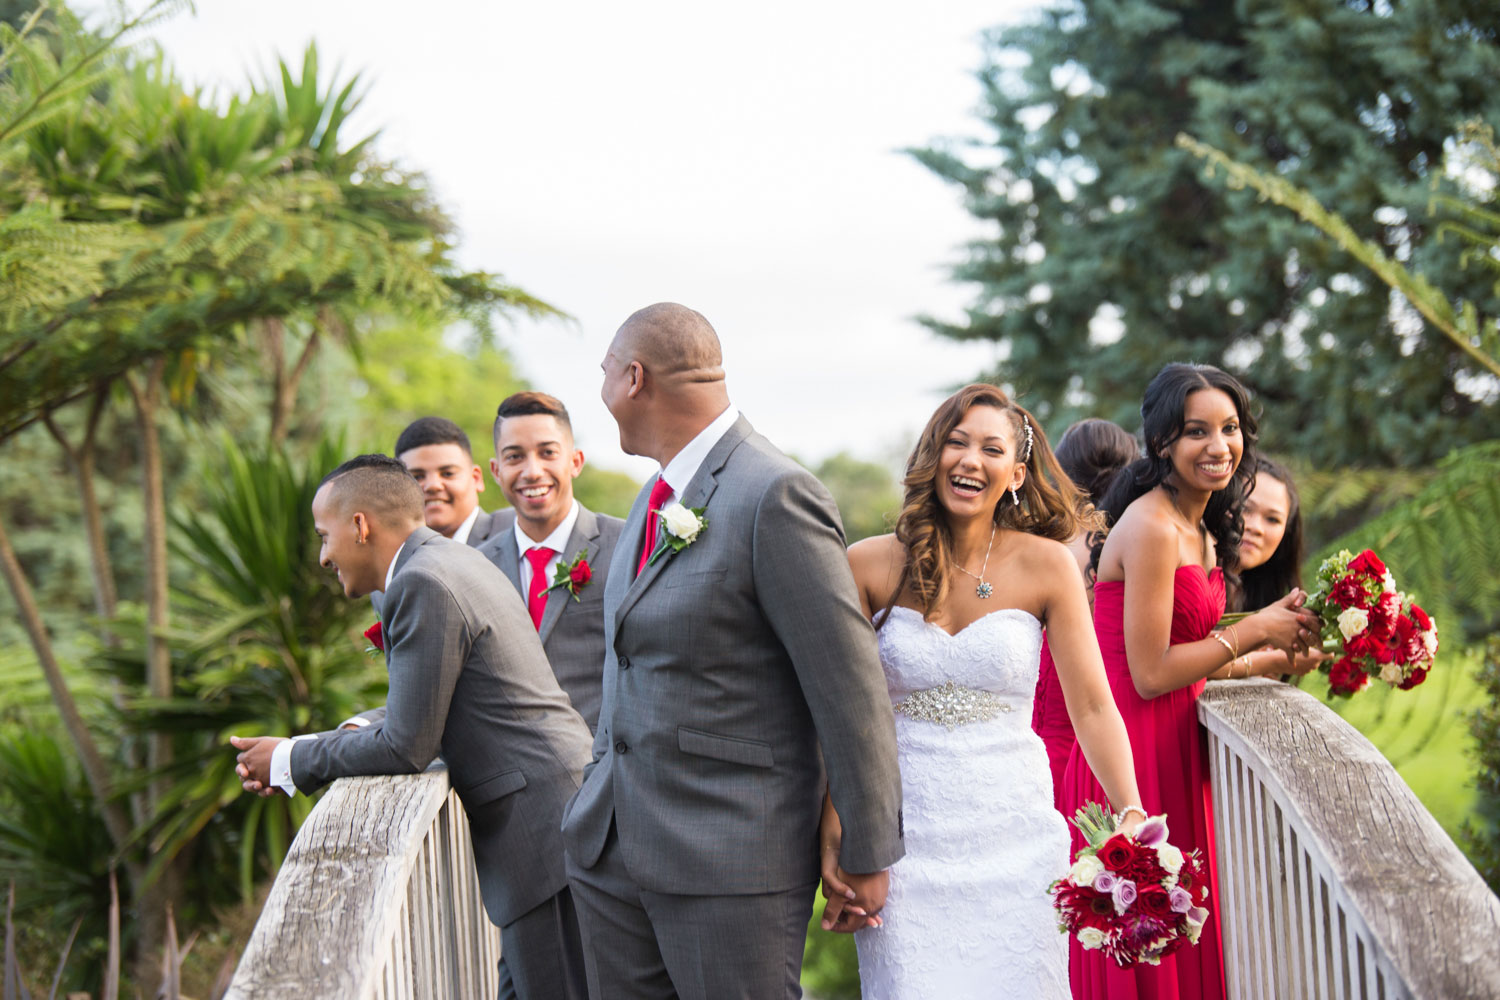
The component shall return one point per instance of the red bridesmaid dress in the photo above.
(1050, 721)
(1171, 769)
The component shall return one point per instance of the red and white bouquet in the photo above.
(1373, 629)
(1134, 896)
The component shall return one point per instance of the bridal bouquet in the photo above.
(1373, 629)
(1133, 895)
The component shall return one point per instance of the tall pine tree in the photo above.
(1111, 256)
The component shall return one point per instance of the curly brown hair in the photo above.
(1051, 506)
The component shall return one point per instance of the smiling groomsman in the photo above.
(547, 529)
(436, 452)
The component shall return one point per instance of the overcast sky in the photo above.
(743, 160)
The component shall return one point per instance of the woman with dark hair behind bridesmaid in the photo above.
(1175, 531)
(1271, 556)
(1090, 452)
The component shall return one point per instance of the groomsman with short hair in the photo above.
(547, 530)
(436, 452)
(469, 682)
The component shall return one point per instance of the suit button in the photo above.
(624, 662)
(622, 747)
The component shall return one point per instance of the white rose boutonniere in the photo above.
(682, 526)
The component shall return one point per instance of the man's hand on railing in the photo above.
(254, 762)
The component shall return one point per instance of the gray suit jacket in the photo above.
(484, 527)
(733, 660)
(469, 681)
(572, 631)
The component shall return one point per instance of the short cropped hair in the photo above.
(378, 484)
(432, 430)
(531, 404)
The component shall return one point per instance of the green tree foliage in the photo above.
(1482, 835)
(1102, 228)
(867, 494)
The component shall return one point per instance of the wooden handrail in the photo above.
(377, 898)
(1334, 880)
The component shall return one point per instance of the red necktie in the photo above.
(659, 494)
(536, 594)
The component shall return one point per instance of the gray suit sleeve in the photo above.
(428, 640)
(806, 589)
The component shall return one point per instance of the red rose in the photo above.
(580, 574)
(1154, 901)
(1417, 676)
(1118, 853)
(1369, 564)
(1383, 615)
(377, 640)
(1349, 592)
(1423, 622)
(1363, 644)
(1345, 676)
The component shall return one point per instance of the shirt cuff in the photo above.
(281, 763)
(358, 721)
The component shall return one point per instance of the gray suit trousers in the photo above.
(541, 953)
(642, 945)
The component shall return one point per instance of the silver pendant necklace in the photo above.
(985, 588)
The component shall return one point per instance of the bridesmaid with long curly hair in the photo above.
(1175, 528)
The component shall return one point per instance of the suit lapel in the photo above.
(505, 553)
(585, 536)
(481, 529)
(697, 494)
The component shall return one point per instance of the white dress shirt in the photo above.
(461, 536)
(685, 464)
(557, 542)
(281, 754)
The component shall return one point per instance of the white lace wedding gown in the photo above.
(968, 915)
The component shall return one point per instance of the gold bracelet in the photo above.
(1246, 661)
(1219, 637)
(1236, 637)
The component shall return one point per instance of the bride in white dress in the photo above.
(960, 595)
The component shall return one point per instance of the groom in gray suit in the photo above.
(739, 666)
(469, 681)
(535, 463)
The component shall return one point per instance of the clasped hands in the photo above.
(854, 901)
(253, 763)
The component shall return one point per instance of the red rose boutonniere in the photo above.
(377, 640)
(573, 575)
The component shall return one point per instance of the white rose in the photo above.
(1169, 858)
(1389, 582)
(681, 522)
(1091, 938)
(1085, 870)
(1429, 641)
(1353, 621)
(1391, 673)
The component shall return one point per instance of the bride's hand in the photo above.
(1131, 823)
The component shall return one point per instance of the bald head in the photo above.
(677, 345)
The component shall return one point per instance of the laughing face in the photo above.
(535, 464)
(344, 550)
(1208, 451)
(450, 481)
(978, 463)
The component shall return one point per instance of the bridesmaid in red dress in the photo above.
(1176, 527)
(1090, 452)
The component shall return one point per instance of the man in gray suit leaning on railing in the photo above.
(469, 681)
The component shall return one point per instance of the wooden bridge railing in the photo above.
(1334, 881)
(377, 898)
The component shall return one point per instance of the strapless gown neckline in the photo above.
(967, 907)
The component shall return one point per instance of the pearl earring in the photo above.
(1015, 497)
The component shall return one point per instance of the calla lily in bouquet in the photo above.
(1371, 628)
(1134, 896)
